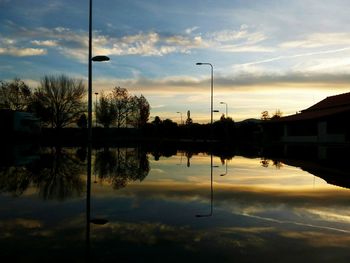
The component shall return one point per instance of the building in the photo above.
(19, 123)
(325, 122)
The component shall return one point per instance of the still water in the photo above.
(146, 206)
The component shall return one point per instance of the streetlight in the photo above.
(212, 84)
(95, 59)
(180, 116)
(96, 93)
(88, 181)
(226, 107)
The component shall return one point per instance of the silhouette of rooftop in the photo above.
(341, 100)
(329, 106)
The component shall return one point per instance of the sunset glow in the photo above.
(266, 55)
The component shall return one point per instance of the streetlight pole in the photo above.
(96, 59)
(96, 93)
(211, 92)
(226, 107)
(88, 180)
(180, 116)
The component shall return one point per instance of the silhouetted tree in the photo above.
(157, 121)
(265, 115)
(141, 110)
(222, 118)
(106, 112)
(15, 95)
(122, 103)
(278, 114)
(58, 101)
(82, 121)
(224, 128)
(189, 120)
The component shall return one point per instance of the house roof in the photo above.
(341, 100)
(327, 107)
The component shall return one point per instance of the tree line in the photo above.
(59, 101)
(122, 109)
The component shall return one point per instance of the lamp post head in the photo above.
(222, 102)
(96, 93)
(100, 58)
(199, 63)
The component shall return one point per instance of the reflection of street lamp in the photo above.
(226, 107)
(211, 190)
(180, 116)
(211, 90)
(225, 170)
(96, 93)
(182, 153)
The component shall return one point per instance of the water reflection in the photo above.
(118, 166)
(211, 190)
(266, 208)
(55, 173)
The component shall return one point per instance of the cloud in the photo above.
(318, 40)
(45, 43)
(246, 39)
(191, 29)
(234, 35)
(74, 43)
(268, 60)
(10, 47)
(22, 52)
(243, 48)
(243, 81)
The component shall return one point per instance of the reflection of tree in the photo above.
(121, 165)
(14, 180)
(266, 162)
(189, 156)
(57, 175)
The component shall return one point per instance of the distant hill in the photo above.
(251, 120)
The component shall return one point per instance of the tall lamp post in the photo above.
(88, 181)
(95, 59)
(211, 91)
(180, 116)
(226, 107)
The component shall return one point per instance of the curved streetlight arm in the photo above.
(226, 107)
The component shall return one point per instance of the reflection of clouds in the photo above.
(331, 216)
(241, 171)
(183, 237)
(317, 239)
(235, 194)
(157, 171)
(21, 222)
(308, 225)
(303, 208)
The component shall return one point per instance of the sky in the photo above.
(267, 54)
